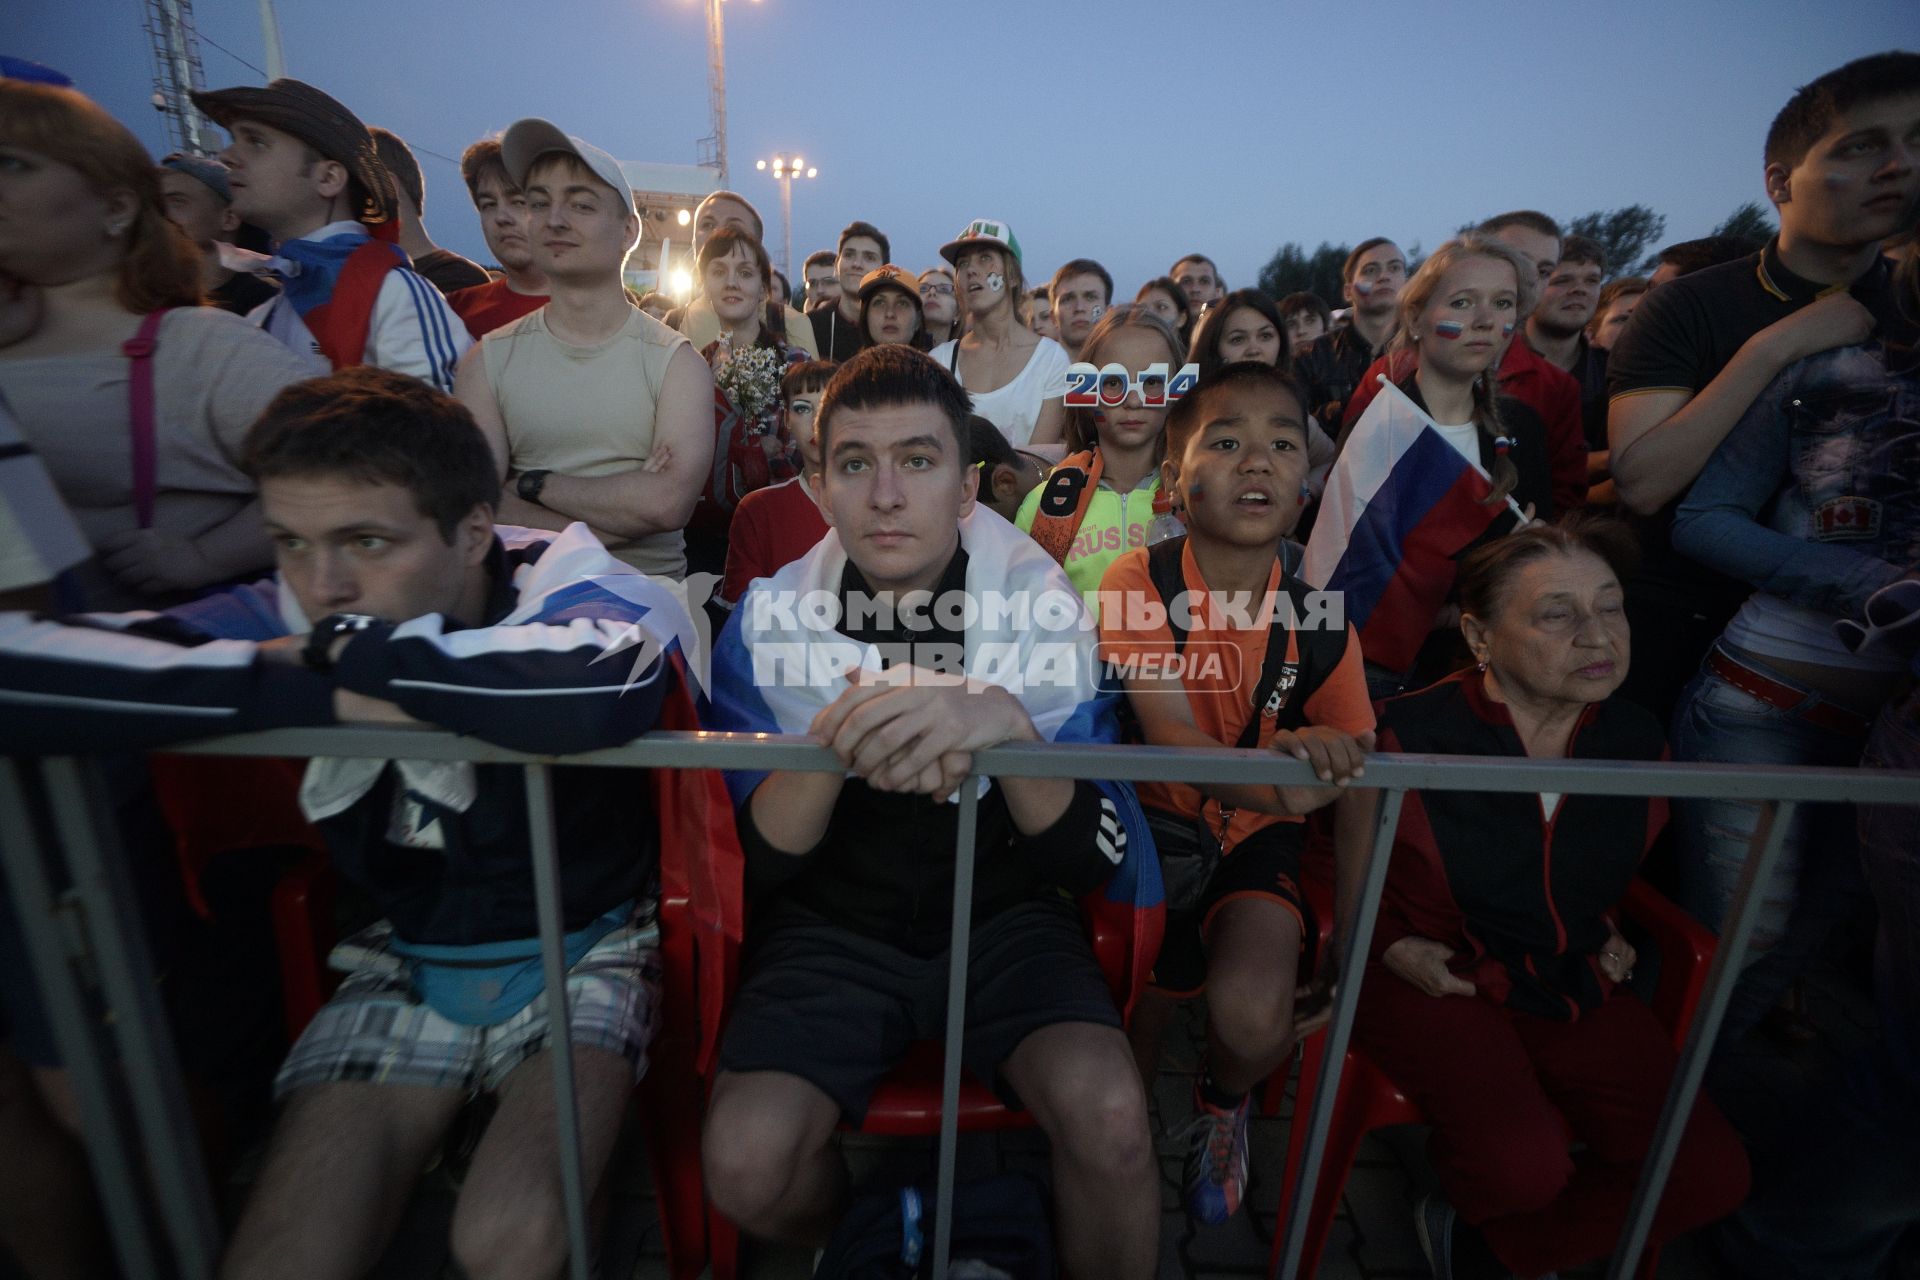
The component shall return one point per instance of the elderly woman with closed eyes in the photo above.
(1494, 994)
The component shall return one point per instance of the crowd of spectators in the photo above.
(269, 456)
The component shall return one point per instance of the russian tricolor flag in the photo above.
(1401, 503)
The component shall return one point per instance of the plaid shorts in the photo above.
(377, 1029)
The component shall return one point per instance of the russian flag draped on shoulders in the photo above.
(1401, 504)
(1068, 701)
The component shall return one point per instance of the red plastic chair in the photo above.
(671, 1096)
(218, 805)
(303, 929)
(1368, 1100)
(907, 1103)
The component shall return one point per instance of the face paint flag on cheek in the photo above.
(1362, 287)
(1506, 329)
(995, 281)
(1448, 329)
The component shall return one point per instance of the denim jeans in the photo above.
(1817, 882)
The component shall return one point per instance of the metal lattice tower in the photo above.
(713, 149)
(176, 72)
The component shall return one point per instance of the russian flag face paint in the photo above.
(1506, 329)
(1448, 329)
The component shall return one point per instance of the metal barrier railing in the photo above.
(153, 1149)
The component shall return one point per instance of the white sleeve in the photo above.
(38, 538)
(415, 331)
(942, 355)
(1055, 368)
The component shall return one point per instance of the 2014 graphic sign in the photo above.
(1089, 387)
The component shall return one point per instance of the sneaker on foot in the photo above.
(1216, 1172)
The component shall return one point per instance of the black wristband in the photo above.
(318, 653)
(531, 484)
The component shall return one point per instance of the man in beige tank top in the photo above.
(598, 413)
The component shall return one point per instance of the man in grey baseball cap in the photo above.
(526, 141)
(598, 412)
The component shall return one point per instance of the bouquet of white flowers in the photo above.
(750, 379)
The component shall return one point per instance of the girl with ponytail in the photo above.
(1456, 316)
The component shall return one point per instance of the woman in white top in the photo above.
(1018, 379)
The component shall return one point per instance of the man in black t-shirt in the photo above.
(444, 269)
(836, 329)
(851, 874)
(1840, 172)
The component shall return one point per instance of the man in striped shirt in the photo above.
(398, 601)
(305, 170)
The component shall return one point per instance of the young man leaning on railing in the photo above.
(398, 600)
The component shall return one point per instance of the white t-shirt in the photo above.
(38, 538)
(1465, 437)
(1015, 408)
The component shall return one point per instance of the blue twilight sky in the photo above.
(1124, 131)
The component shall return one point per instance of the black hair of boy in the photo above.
(1532, 219)
(1583, 250)
(377, 426)
(1815, 106)
(871, 232)
(988, 446)
(1080, 267)
(894, 374)
(808, 375)
(1186, 415)
(1310, 303)
(1690, 256)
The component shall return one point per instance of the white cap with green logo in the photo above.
(982, 231)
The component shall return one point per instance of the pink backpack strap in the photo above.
(140, 349)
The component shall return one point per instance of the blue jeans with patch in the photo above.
(1816, 881)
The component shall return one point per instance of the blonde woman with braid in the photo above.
(1456, 316)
